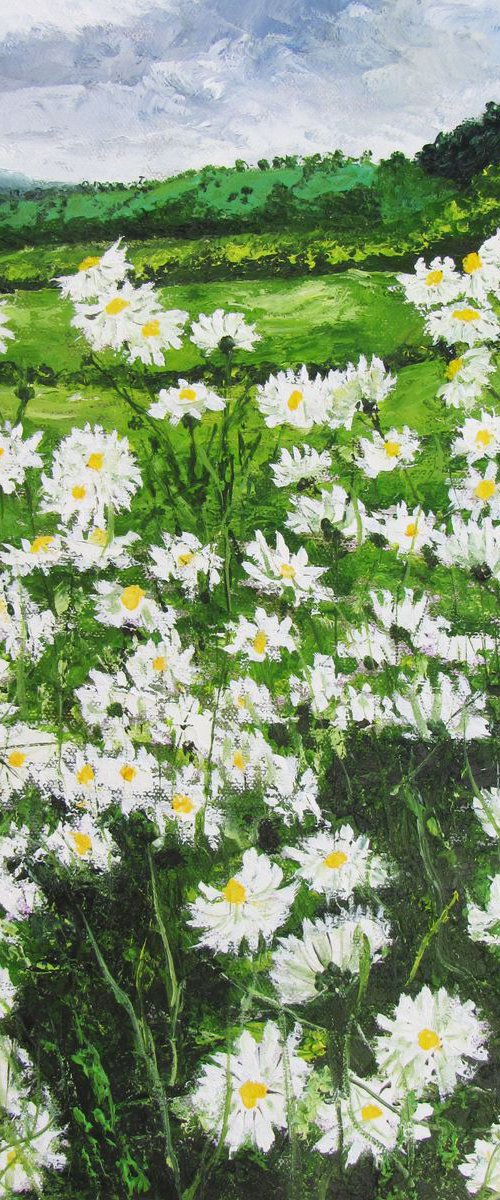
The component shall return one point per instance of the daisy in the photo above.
(131, 318)
(449, 702)
(368, 643)
(24, 628)
(480, 277)
(26, 754)
(81, 785)
(293, 795)
(5, 333)
(336, 862)
(35, 1145)
(130, 605)
(96, 549)
(185, 400)
(302, 463)
(318, 685)
(371, 1119)
(484, 923)
(466, 377)
(187, 807)
(255, 1086)
(479, 493)
(80, 842)
(184, 559)
(224, 331)
(244, 757)
(481, 1169)
(299, 963)
(434, 1038)
(264, 638)
(247, 703)
(293, 398)
(96, 274)
(279, 571)
(92, 471)
(486, 806)
(148, 340)
(406, 532)
(463, 323)
(334, 507)
(437, 283)
(16, 456)
(478, 438)
(367, 385)
(131, 777)
(184, 722)
(394, 450)
(252, 904)
(162, 666)
(42, 553)
(470, 544)
(490, 250)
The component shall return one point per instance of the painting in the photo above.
(249, 599)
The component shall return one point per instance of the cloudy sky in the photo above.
(115, 89)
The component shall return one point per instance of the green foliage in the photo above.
(466, 150)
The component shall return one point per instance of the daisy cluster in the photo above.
(210, 645)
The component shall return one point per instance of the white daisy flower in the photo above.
(5, 333)
(362, 705)
(36, 1146)
(130, 318)
(366, 384)
(486, 806)
(478, 493)
(406, 532)
(185, 723)
(292, 795)
(293, 398)
(464, 324)
(371, 1119)
(185, 400)
(118, 605)
(162, 666)
(480, 277)
(81, 786)
(368, 643)
(24, 628)
(471, 544)
(484, 923)
(184, 559)
(16, 456)
(263, 638)
(91, 472)
(96, 274)
(42, 553)
(481, 1169)
(280, 571)
(243, 757)
(334, 507)
(187, 807)
(96, 550)
(490, 250)
(394, 450)
(437, 283)
(80, 842)
(131, 777)
(299, 963)
(252, 904)
(434, 1038)
(336, 862)
(466, 377)
(449, 702)
(478, 438)
(257, 1084)
(224, 331)
(247, 703)
(148, 340)
(303, 462)
(318, 685)
(26, 754)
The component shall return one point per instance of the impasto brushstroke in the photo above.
(249, 600)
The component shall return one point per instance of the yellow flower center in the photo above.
(182, 804)
(239, 761)
(260, 642)
(151, 329)
(483, 437)
(335, 860)
(99, 537)
(89, 262)
(128, 773)
(471, 262)
(116, 306)
(187, 393)
(454, 367)
(295, 399)
(433, 278)
(79, 492)
(11, 1157)
(82, 843)
(85, 774)
(41, 544)
(392, 449)
(485, 489)
(251, 1092)
(234, 892)
(370, 1112)
(159, 663)
(131, 597)
(287, 571)
(2, 451)
(429, 1040)
(411, 529)
(466, 314)
(95, 461)
(185, 559)
(16, 758)
(241, 702)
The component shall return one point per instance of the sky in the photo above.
(119, 89)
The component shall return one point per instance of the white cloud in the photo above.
(199, 87)
(69, 16)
